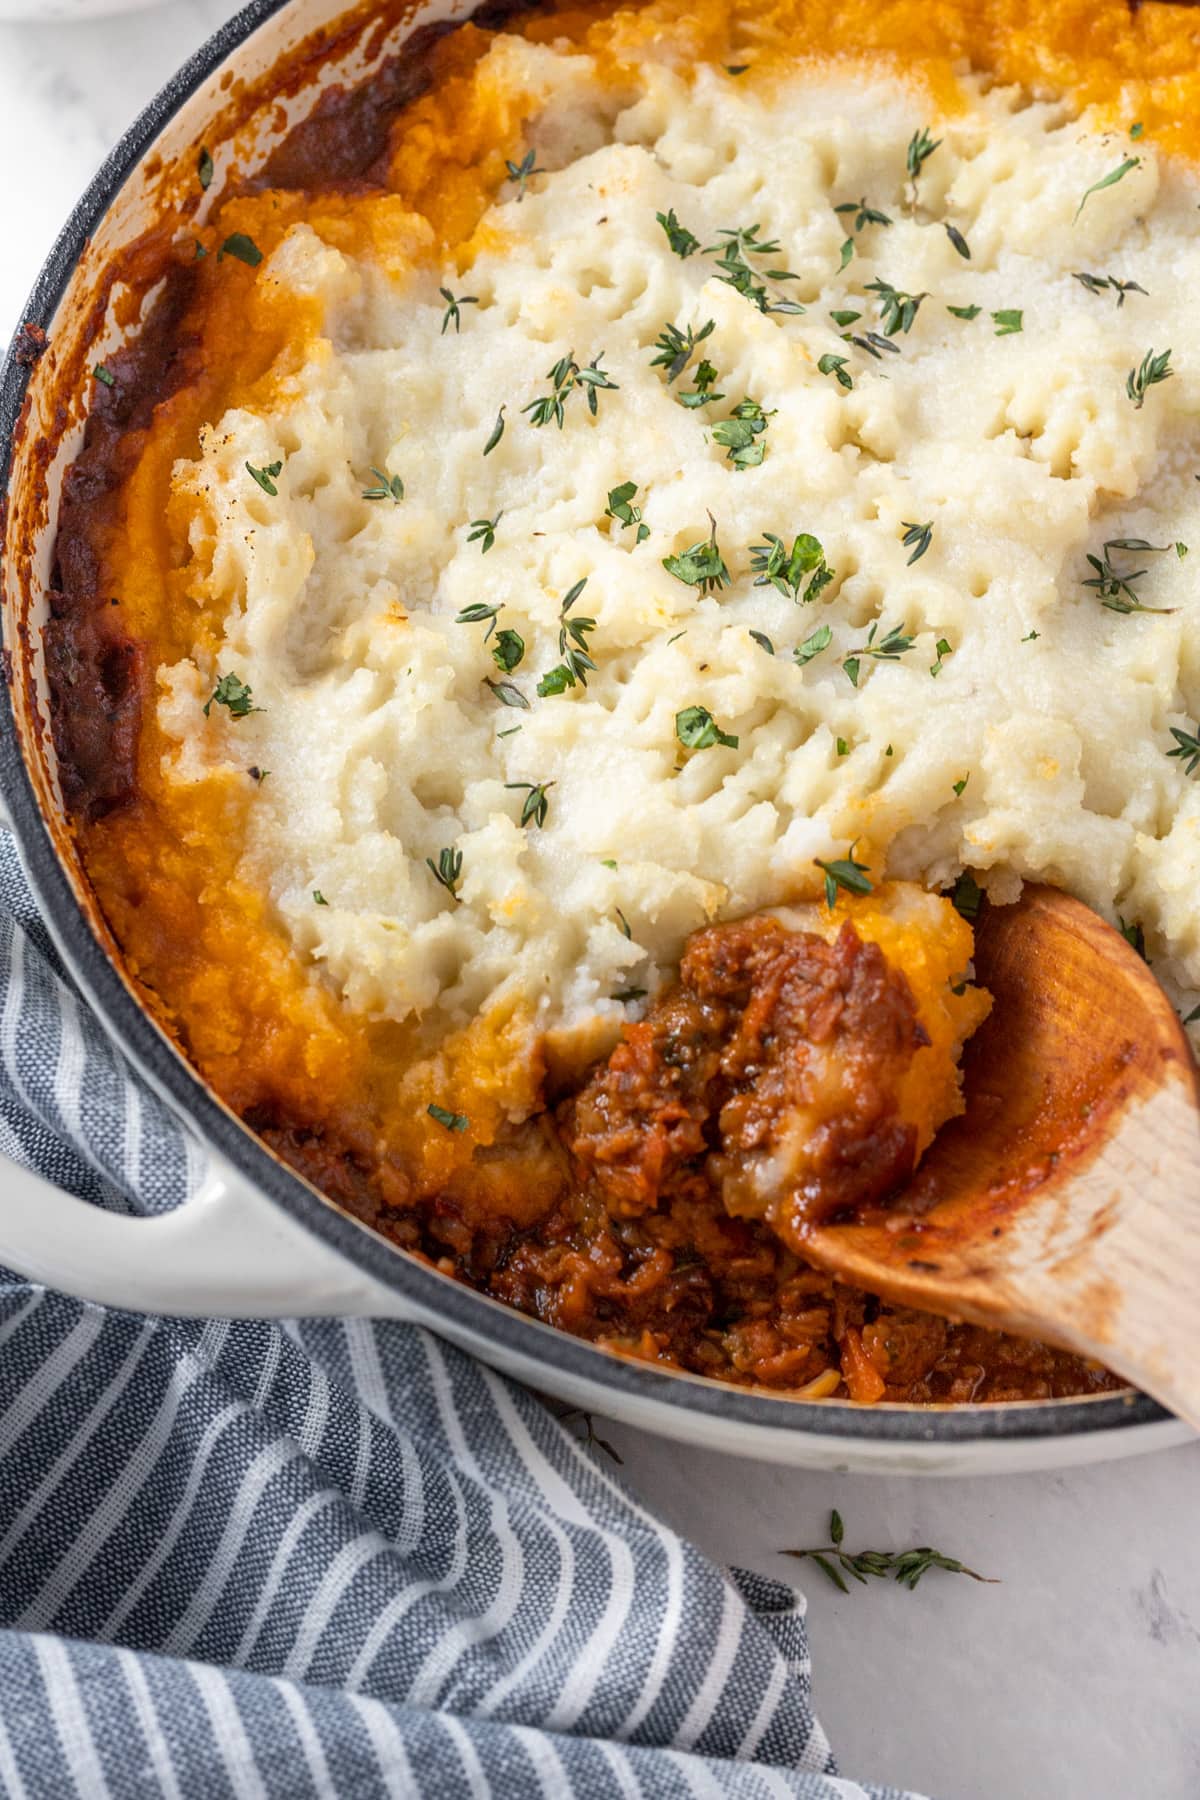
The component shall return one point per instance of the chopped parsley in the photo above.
(564, 378)
(483, 532)
(846, 873)
(536, 805)
(897, 310)
(204, 167)
(265, 477)
(700, 565)
(453, 306)
(453, 1121)
(682, 241)
(836, 366)
(1095, 284)
(572, 647)
(621, 508)
(740, 435)
(520, 172)
(1109, 180)
(696, 729)
(497, 433)
(232, 693)
(244, 248)
(917, 538)
(1151, 370)
(894, 644)
(1008, 320)
(387, 487)
(447, 870)
(814, 643)
(774, 565)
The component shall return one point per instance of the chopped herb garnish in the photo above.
(243, 247)
(1193, 1016)
(231, 692)
(453, 305)
(921, 147)
(608, 862)
(508, 650)
(774, 565)
(536, 804)
(736, 68)
(696, 729)
(682, 241)
(675, 348)
(843, 318)
(1109, 180)
(739, 435)
(1096, 284)
(387, 487)
(1187, 748)
(959, 241)
(836, 366)
(319, 898)
(447, 869)
(1136, 130)
(100, 373)
(844, 873)
(1151, 370)
(904, 1566)
(1134, 936)
(572, 647)
(265, 477)
(623, 924)
(764, 642)
(845, 253)
(965, 312)
(511, 732)
(620, 507)
(916, 537)
(451, 1120)
(873, 344)
(894, 643)
(734, 268)
(497, 433)
(863, 214)
(483, 532)
(478, 613)
(897, 310)
(508, 694)
(958, 786)
(1008, 320)
(1030, 637)
(564, 378)
(967, 897)
(1114, 586)
(520, 172)
(204, 167)
(942, 649)
(700, 565)
(814, 643)
(702, 394)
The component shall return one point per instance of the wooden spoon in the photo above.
(1065, 1203)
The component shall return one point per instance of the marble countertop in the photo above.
(1079, 1676)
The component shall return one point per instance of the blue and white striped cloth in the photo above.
(327, 1558)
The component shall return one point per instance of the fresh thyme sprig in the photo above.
(905, 1566)
(572, 647)
(1109, 180)
(894, 643)
(733, 267)
(1187, 748)
(675, 348)
(897, 310)
(1095, 284)
(564, 378)
(485, 530)
(536, 805)
(682, 241)
(921, 146)
(774, 565)
(447, 870)
(740, 435)
(453, 306)
(844, 872)
(700, 565)
(478, 613)
(1115, 586)
(388, 487)
(863, 214)
(1151, 370)
(621, 508)
(916, 537)
(520, 172)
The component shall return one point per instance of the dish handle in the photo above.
(228, 1252)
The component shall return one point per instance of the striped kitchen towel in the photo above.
(328, 1557)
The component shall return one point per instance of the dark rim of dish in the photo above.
(459, 1305)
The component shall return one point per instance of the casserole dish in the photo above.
(257, 1239)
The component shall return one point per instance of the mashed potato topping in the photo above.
(735, 493)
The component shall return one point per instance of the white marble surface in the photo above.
(1079, 1676)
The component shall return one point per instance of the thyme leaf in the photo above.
(536, 805)
(388, 487)
(447, 870)
(844, 872)
(520, 172)
(483, 531)
(701, 565)
(1109, 180)
(696, 729)
(1187, 748)
(682, 241)
(564, 378)
(1151, 370)
(453, 306)
(916, 537)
